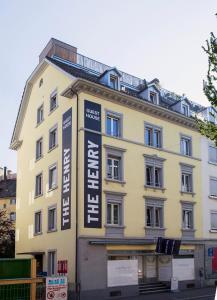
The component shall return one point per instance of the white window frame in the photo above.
(185, 140)
(40, 118)
(113, 204)
(39, 142)
(37, 194)
(36, 226)
(52, 96)
(53, 129)
(54, 228)
(184, 187)
(187, 222)
(50, 170)
(212, 212)
(152, 129)
(52, 265)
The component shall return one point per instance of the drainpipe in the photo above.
(77, 281)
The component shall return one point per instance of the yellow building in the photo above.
(107, 164)
(8, 194)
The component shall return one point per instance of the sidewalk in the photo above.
(207, 293)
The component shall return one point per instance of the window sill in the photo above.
(212, 163)
(154, 228)
(39, 123)
(52, 230)
(51, 149)
(114, 136)
(37, 233)
(186, 155)
(154, 147)
(188, 193)
(188, 229)
(154, 187)
(37, 196)
(115, 181)
(114, 226)
(53, 188)
(213, 230)
(51, 111)
(213, 197)
(37, 159)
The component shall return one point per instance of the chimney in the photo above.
(5, 173)
(60, 49)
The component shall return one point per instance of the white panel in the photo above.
(150, 267)
(183, 268)
(164, 268)
(122, 272)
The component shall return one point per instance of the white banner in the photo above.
(122, 272)
(183, 268)
(56, 288)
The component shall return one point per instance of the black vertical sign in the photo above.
(92, 165)
(66, 170)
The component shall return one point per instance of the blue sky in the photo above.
(146, 38)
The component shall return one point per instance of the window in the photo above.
(153, 136)
(113, 82)
(113, 124)
(38, 185)
(40, 114)
(186, 178)
(186, 182)
(154, 171)
(114, 163)
(213, 186)
(113, 168)
(13, 216)
(53, 177)
(53, 101)
(214, 220)
(113, 214)
(153, 97)
(38, 223)
(12, 201)
(186, 146)
(40, 82)
(187, 219)
(53, 138)
(39, 150)
(154, 213)
(52, 215)
(185, 110)
(4, 205)
(213, 154)
(51, 263)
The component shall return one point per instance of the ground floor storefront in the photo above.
(109, 268)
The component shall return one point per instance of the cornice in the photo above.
(82, 85)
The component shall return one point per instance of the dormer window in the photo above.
(185, 110)
(113, 82)
(153, 97)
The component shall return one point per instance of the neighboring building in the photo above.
(8, 194)
(107, 163)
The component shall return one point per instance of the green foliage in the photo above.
(206, 128)
(7, 236)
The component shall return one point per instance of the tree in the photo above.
(207, 128)
(7, 236)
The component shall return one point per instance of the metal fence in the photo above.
(22, 292)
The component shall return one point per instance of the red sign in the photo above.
(62, 267)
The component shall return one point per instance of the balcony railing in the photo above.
(98, 68)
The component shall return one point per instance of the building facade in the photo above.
(107, 164)
(8, 193)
